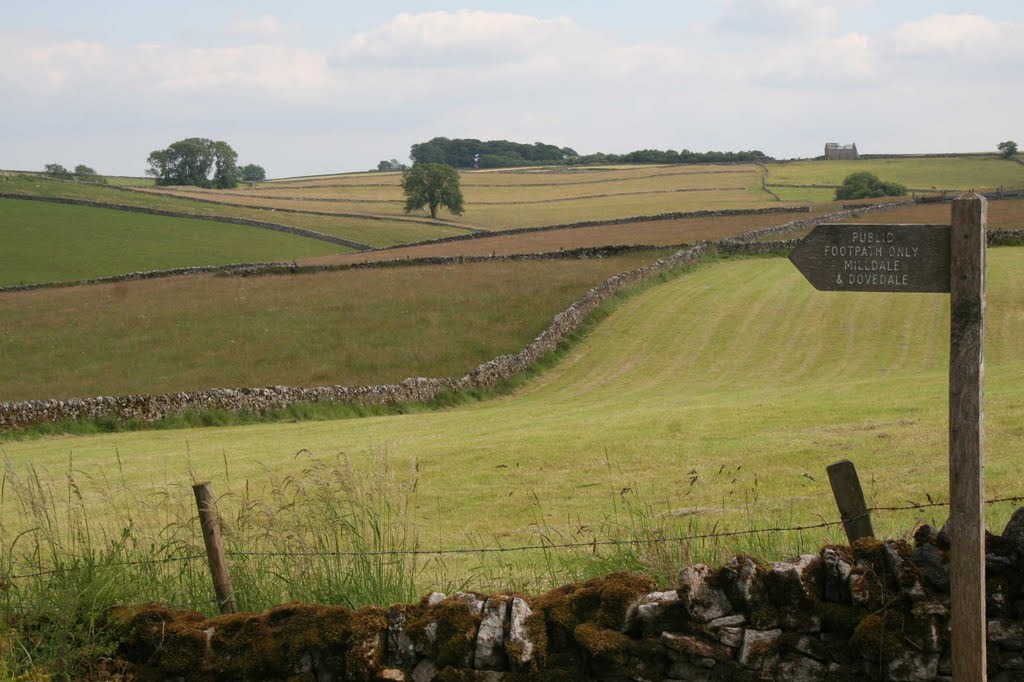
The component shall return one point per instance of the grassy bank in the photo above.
(355, 327)
(46, 242)
(739, 374)
(707, 404)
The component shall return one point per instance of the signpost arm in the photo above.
(966, 437)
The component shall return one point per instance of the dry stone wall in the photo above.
(613, 221)
(873, 611)
(148, 408)
(15, 415)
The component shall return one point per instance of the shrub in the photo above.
(865, 185)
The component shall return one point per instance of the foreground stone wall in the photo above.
(873, 611)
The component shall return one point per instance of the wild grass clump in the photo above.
(325, 534)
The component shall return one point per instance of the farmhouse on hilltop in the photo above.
(841, 152)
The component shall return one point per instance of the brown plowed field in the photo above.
(654, 233)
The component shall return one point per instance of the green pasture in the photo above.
(812, 195)
(365, 231)
(45, 242)
(354, 327)
(714, 400)
(519, 215)
(130, 181)
(512, 187)
(980, 172)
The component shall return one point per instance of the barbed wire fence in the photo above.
(538, 546)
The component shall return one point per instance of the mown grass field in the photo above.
(45, 242)
(376, 233)
(718, 398)
(982, 172)
(353, 327)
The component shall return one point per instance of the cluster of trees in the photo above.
(201, 162)
(865, 185)
(471, 153)
(669, 156)
(1007, 149)
(81, 172)
(392, 165)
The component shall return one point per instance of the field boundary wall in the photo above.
(359, 216)
(273, 267)
(612, 221)
(148, 408)
(298, 231)
(876, 610)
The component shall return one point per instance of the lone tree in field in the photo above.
(1007, 149)
(252, 173)
(432, 185)
(196, 161)
(865, 185)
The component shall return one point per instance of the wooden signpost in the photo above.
(933, 258)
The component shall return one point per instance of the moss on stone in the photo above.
(601, 643)
(875, 641)
(363, 644)
(840, 618)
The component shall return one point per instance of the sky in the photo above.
(308, 87)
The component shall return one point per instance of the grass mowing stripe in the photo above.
(666, 385)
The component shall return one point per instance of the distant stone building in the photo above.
(841, 152)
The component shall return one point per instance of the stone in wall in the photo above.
(745, 620)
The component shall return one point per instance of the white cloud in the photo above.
(829, 63)
(491, 74)
(45, 68)
(958, 35)
(263, 27)
(464, 37)
(772, 18)
(272, 70)
(76, 68)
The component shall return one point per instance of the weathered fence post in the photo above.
(967, 438)
(850, 499)
(210, 523)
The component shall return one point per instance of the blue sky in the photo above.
(311, 87)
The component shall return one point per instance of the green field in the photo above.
(718, 397)
(981, 172)
(509, 200)
(45, 242)
(365, 231)
(355, 327)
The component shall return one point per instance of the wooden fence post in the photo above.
(210, 523)
(967, 438)
(850, 499)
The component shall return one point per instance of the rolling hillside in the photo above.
(718, 396)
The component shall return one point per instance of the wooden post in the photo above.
(850, 500)
(967, 437)
(210, 523)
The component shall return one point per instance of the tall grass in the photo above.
(323, 534)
